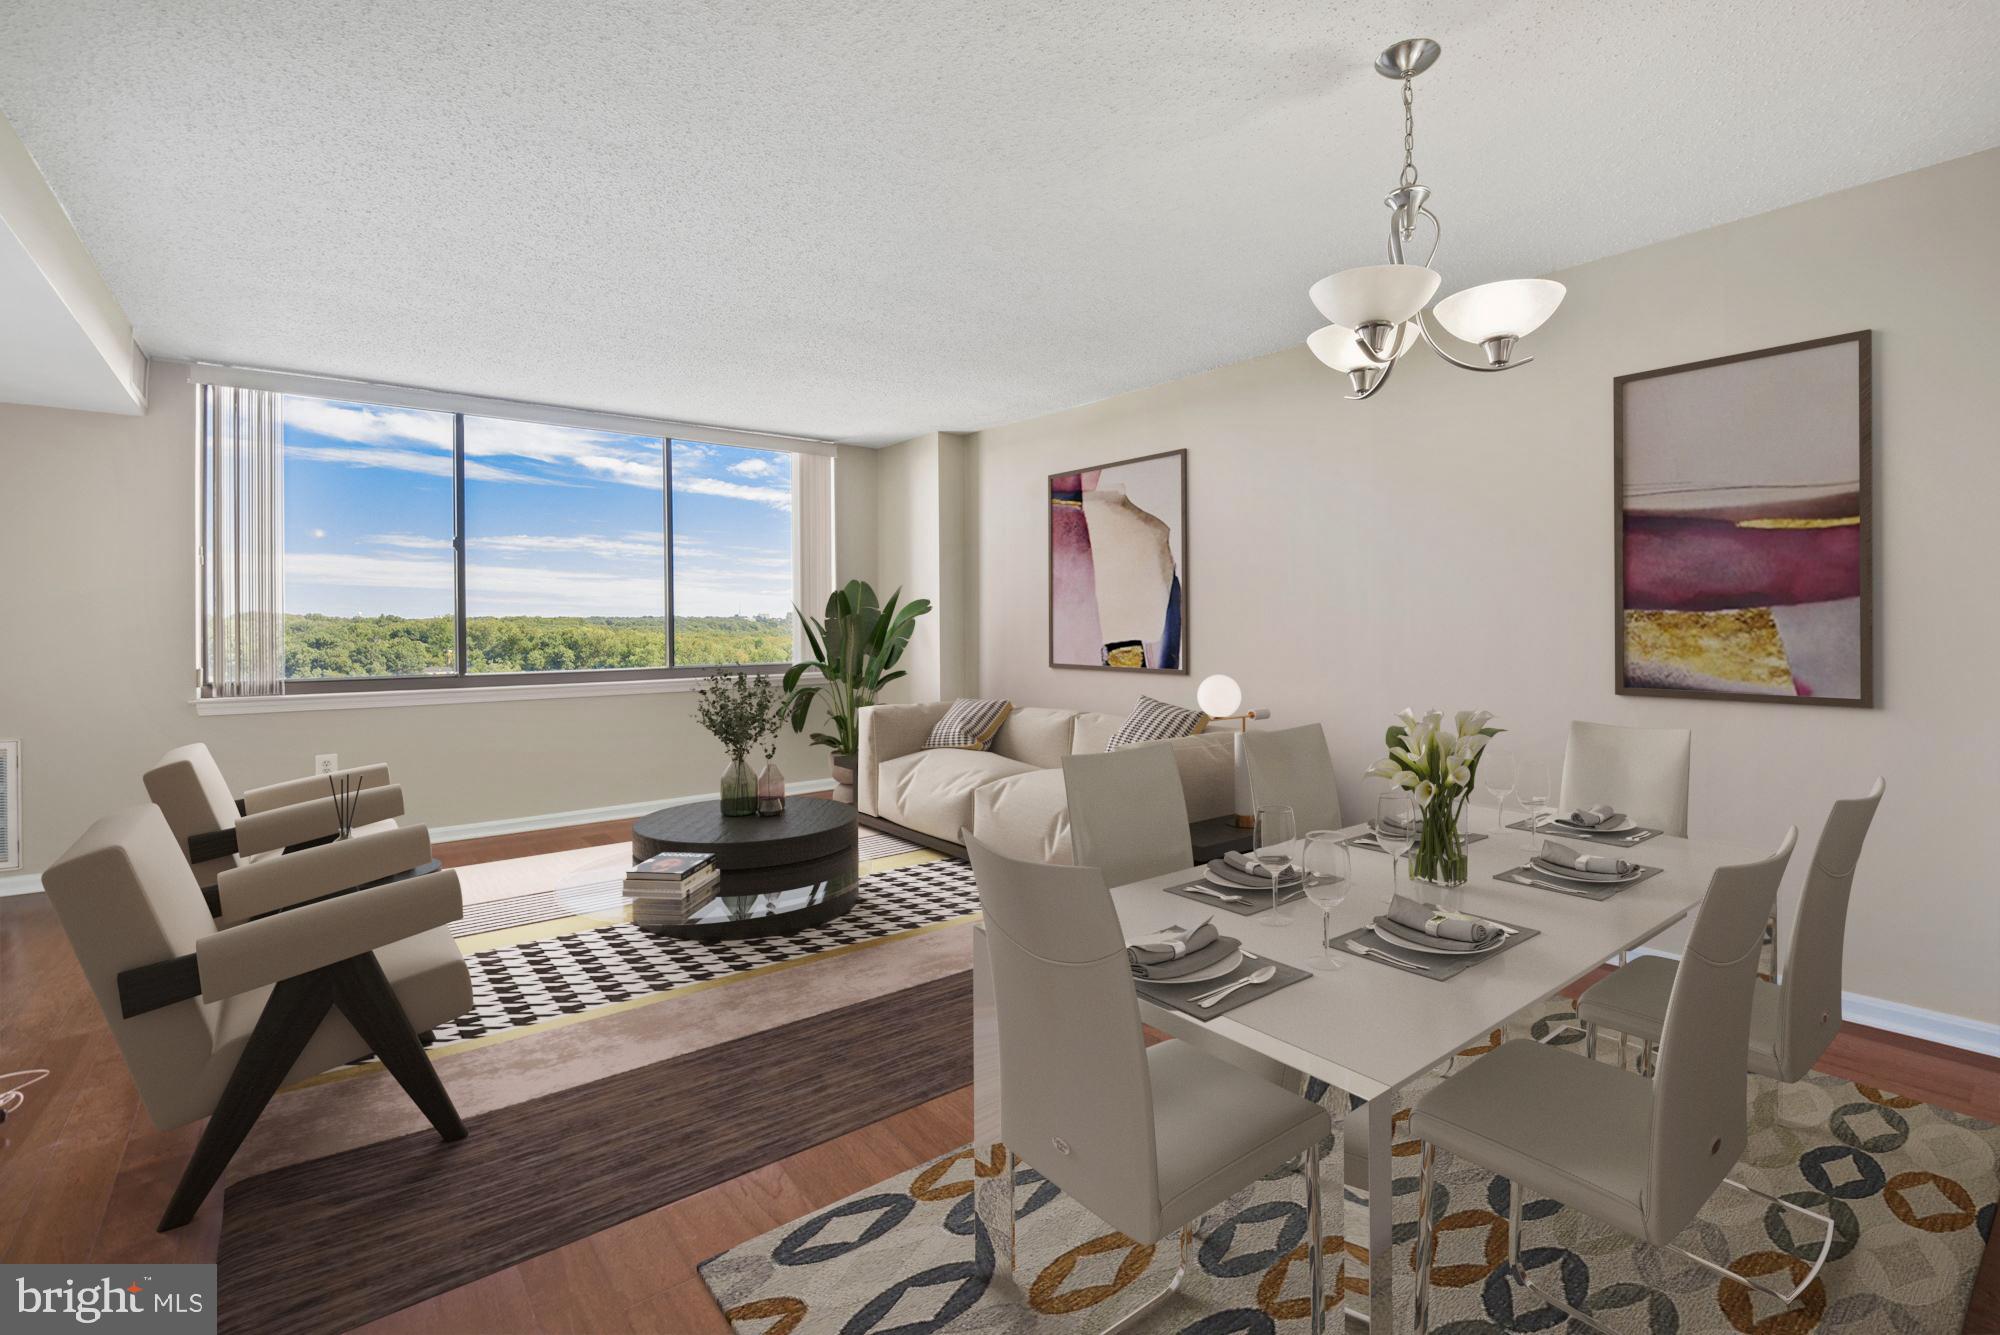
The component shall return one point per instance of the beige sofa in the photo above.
(1011, 796)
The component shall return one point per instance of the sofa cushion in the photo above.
(1156, 721)
(931, 791)
(969, 725)
(1207, 763)
(1038, 737)
(1025, 816)
(1093, 732)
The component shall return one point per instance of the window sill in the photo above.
(452, 695)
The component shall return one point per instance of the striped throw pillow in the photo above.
(969, 725)
(1154, 720)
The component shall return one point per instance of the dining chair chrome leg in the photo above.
(1782, 1295)
(1145, 1309)
(1518, 1270)
(1623, 957)
(1315, 1246)
(1426, 1237)
(1590, 1041)
(1649, 1056)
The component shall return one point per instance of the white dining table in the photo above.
(1368, 1029)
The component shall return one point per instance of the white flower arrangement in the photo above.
(1439, 765)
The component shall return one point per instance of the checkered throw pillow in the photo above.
(969, 725)
(1153, 720)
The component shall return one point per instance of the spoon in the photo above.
(1263, 975)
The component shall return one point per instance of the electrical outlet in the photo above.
(326, 764)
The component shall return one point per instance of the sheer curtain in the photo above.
(243, 541)
(812, 539)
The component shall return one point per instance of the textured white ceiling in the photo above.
(865, 220)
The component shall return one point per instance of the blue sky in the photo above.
(560, 521)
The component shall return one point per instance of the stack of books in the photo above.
(670, 888)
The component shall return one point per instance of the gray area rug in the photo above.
(1910, 1186)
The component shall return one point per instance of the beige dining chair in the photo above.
(1292, 767)
(216, 831)
(1145, 1138)
(1640, 1155)
(1641, 771)
(212, 1021)
(1793, 1019)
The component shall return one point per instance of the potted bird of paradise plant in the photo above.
(855, 649)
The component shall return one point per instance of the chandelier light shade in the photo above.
(1511, 308)
(1376, 311)
(1375, 294)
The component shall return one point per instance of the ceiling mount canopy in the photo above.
(1376, 312)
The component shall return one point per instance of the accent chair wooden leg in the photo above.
(364, 996)
(291, 1016)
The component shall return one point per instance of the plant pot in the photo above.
(771, 790)
(739, 790)
(843, 779)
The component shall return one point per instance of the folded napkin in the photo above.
(1591, 817)
(1152, 956)
(1249, 866)
(1391, 822)
(1562, 855)
(1433, 921)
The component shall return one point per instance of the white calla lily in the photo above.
(1385, 768)
(1461, 775)
(1471, 721)
(1405, 779)
(1424, 792)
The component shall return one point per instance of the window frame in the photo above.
(460, 408)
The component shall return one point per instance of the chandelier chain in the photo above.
(1409, 176)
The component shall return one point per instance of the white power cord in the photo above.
(11, 1097)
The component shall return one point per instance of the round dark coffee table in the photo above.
(779, 873)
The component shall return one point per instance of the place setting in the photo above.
(1600, 824)
(1424, 939)
(1264, 880)
(1571, 871)
(1200, 972)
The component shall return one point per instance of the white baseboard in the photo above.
(1954, 1031)
(31, 884)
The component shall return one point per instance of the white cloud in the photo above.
(407, 461)
(408, 542)
(778, 498)
(319, 534)
(367, 425)
(635, 547)
(420, 442)
(755, 466)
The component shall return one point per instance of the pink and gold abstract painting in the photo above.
(1744, 543)
(1117, 548)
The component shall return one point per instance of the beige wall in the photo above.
(97, 618)
(1448, 544)
(922, 487)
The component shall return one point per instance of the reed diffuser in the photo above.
(346, 790)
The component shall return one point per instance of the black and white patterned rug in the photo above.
(533, 982)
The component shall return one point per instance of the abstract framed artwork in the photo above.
(1118, 565)
(1745, 533)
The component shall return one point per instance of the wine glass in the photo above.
(1395, 827)
(1537, 795)
(1271, 845)
(1500, 775)
(1324, 863)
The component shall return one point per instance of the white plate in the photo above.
(1208, 975)
(1395, 940)
(1622, 825)
(1585, 877)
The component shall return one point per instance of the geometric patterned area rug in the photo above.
(1910, 1186)
(532, 982)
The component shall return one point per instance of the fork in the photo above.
(1223, 895)
(1368, 953)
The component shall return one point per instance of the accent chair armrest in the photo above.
(312, 936)
(258, 888)
(274, 795)
(889, 731)
(308, 822)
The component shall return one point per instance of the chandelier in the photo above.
(1377, 311)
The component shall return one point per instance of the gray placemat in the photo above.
(1557, 885)
(1439, 967)
(1364, 840)
(1259, 901)
(1622, 839)
(1182, 998)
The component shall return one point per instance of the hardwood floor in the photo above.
(84, 1175)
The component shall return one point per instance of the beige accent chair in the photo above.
(1792, 1020)
(1292, 767)
(212, 1021)
(1148, 1139)
(1641, 771)
(1012, 796)
(216, 831)
(1640, 1155)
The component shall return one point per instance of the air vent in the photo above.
(10, 805)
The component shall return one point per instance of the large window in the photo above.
(432, 548)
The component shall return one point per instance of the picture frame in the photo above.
(1118, 592)
(1743, 526)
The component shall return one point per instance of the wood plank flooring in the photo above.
(84, 1175)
